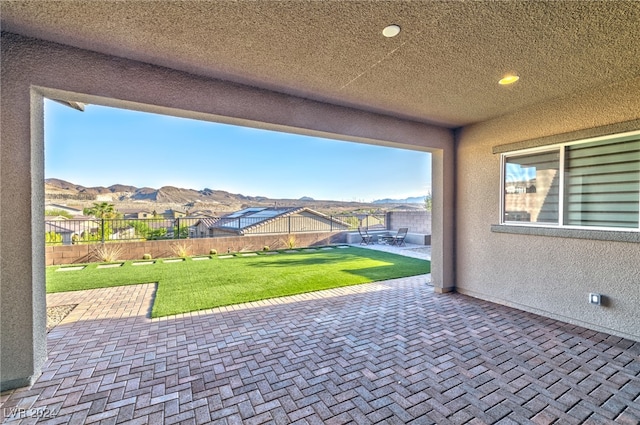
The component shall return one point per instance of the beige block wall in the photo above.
(548, 275)
(74, 254)
(416, 221)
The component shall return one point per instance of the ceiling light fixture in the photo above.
(391, 31)
(508, 79)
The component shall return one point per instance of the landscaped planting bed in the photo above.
(190, 285)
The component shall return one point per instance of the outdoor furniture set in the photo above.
(387, 239)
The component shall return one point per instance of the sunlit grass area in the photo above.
(192, 284)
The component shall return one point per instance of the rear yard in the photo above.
(198, 283)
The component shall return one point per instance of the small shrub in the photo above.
(108, 253)
(53, 238)
(213, 252)
(146, 257)
(291, 241)
(181, 249)
(265, 248)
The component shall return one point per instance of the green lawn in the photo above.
(193, 285)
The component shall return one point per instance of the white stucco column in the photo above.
(443, 221)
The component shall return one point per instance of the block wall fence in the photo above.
(417, 222)
(86, 253)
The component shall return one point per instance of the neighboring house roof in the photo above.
(54, 218)
(170, 214)
(250, 218)
(245, 219)
(202, 213)
(133, 211)
(83, 217)
(70, 226)
(207, 222)
(50, 227)
(63, 208)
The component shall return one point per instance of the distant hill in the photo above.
(410, 200)
(165, 194)
(126, 196)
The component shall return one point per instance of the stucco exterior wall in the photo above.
(32, 69)
(22, 274)
(545, 274)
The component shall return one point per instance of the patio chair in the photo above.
(367, 239)
(398, 239)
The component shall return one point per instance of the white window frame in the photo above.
(561, 212)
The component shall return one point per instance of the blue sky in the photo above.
(103, 146)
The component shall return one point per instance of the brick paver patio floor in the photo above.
(389, 352)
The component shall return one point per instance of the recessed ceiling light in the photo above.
(508, 79)
(391, 31)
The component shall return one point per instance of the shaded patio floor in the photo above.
(387, 352)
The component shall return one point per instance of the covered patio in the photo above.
(387, 352)
(506, 333)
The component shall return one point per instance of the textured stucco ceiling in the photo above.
(443, 68)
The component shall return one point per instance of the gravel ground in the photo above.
(57, 313)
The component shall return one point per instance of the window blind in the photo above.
(602, 183)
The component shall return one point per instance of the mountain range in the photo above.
(409, 200)
(61, 189)
(57, 189)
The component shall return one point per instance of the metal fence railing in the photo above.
(105, 230)
(67, 232)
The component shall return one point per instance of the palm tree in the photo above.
(102, 210)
